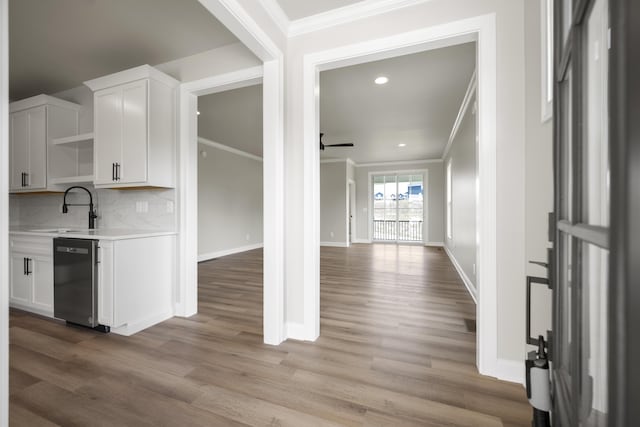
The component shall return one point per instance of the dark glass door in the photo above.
(595, 271)
(582, 214)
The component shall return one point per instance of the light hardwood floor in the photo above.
(396, 349)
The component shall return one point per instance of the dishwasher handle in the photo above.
(72, 250)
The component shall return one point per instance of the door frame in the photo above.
(4, 213)
(351, 208)
(481, 29)
(233, 16)
(624, 269)
(425, 203)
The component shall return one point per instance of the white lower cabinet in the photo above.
(135, 282)
(31, 274)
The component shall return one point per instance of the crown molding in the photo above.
(232, 150)
(343, 15)
(466, 101)
(273, 9)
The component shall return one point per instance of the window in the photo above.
(398, 207)
(546, 21)
(449, 198)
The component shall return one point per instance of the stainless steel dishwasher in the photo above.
(75, 278)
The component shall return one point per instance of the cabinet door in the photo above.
(19, 147)
(107, 134)
(134, 132)
(20, 288)
(37, 173)
(42, 276)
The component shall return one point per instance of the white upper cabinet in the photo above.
(33, 124)
(134, 129)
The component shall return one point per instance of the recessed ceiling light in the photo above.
(198, 112)
(402, 145)
(381, 80)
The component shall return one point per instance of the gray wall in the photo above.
(333, 202)
(434, 194)
(538, 170)
(229, 201)
(463, 156)
(233, 118)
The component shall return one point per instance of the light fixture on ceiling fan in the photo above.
(322, 146)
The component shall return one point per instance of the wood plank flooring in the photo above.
(396, 349)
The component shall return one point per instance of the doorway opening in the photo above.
(481, 29)
(230, 207)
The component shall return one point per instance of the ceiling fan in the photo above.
(322, 146)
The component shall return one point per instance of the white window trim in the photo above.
(546, 59)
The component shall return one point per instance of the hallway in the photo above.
(396, 348)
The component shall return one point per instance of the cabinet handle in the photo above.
(24, 266)
(23, 180)
(26, 179)
(117, 171)
(29, 271)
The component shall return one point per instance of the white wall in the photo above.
(510, 142)
(463, 157)
(538, 168)
(229, 202)
(434, 193)
(333, 203)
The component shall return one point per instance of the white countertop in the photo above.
(80, 233)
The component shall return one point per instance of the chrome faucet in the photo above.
(92, 212)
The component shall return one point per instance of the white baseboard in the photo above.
(435, 244)
(467, 282)
(133, 328)
(218, 254)
(510, 370)
(367, 241)
(335, 244)
(296, 331)
(31, 309)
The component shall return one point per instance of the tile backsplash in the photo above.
(128, 209)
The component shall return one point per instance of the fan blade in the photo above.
(347, 144)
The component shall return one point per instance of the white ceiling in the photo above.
(418, 106)
(296, 9)
(58, 44)
(233, 118)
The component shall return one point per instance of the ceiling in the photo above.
(58, 44)
(296, 9)
(233, 118)
(417, 107)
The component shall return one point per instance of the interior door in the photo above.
(580, 373)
